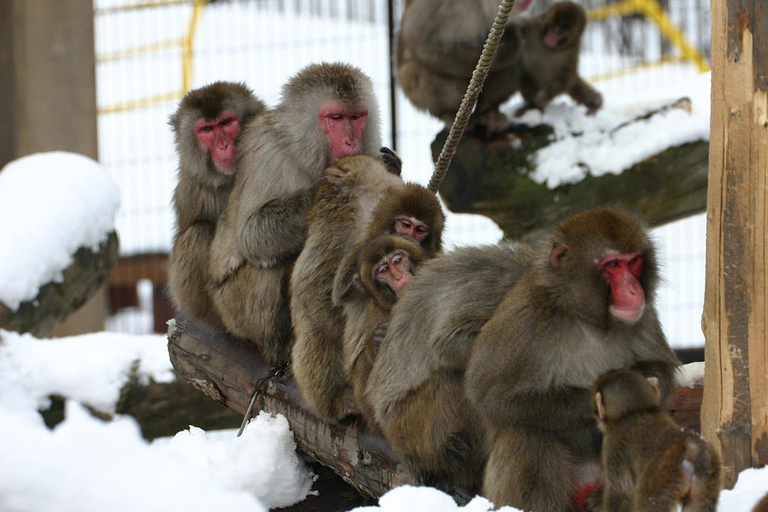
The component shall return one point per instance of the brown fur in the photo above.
(649, 463)
(762, 505)
(263, 228)
(533, 364)
(377, 311)
(416, 384)
(439, 45)
(201, 194)
(548, 72)
(341, 212)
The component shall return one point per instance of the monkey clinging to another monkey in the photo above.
(649, 463)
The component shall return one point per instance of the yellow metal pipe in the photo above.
(142, 102)
(189, 46)
(140, 50)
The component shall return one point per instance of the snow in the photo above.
(86, 464)
(72, 189)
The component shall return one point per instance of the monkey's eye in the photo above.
(207, 128)
(398, 260)
(422, 229)
(613, 264)
(336, 117)
(227, 121)
(405, 223)
(384, 269)
(633, 260)
(356, 116)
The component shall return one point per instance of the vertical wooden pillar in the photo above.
(48, 95)
(735, 405)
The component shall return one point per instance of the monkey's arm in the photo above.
(277, 230)
(661, 369)
(582, 92)
(558, 409)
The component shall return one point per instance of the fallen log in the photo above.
(56, 300)
(492, 177)
(229, 370)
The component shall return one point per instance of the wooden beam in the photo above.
(735, 405)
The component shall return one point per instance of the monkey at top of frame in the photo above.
(439, 46)
(671, 469)
(327, 111)
(207, 126)
(585, 306)
(549, 63)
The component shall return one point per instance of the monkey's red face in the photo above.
(412, 227)
(218, 137)
(343, 125)
(554, 35)
(394, 271)
(622, 272)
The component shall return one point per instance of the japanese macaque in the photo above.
(341, 212)
(416, 385)
(649, 463)
(385, 266)
(585, 306)
(327, 112)
(438, 48)
(207, 126)
(549, 63)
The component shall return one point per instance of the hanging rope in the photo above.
(470, 97)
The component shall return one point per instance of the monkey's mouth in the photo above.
(629, 315)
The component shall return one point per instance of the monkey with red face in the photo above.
(328, 111)
(585, 306)
(207, 126)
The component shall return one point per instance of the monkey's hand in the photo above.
(391, 161)
(588, 96)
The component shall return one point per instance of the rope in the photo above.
(470, 97)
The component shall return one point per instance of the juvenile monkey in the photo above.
(416, 385)
(384, 267)
(584, 307)
(439, 45)
(327, 112)
(207, 126)
(341, 211)
(550, 59)
(649, 463)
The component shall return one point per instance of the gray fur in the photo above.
(281, 163)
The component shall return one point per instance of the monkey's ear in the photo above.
(358, 282)
(559, 250)
(654, 382)
(600, 406)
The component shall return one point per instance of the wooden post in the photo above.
(735, 405)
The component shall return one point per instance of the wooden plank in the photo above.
(735, 404)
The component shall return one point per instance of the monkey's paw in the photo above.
(391, 161)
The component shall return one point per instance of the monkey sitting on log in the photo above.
(342, 210)
(649, 463)
(416, 386)
(438, 48)
(549, 63)
(327, 111)
(207, 126)
(385, 266)
(585, 306)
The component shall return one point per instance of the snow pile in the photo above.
(750, 487)
(263, 461)
(90, 369)
(602, 144)
(407, 498)
(87, 465)
(34, 190)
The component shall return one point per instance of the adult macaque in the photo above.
(649, 463)
(549, 63)
(416, 384)
(384, 267)
(327, 112)
(341, 211)
(207, 126)
(585, 306)
(439, 46)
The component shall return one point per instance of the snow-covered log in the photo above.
(229, 370)
(57, 299)
(495, 178)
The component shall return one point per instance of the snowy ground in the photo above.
(89, 465)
